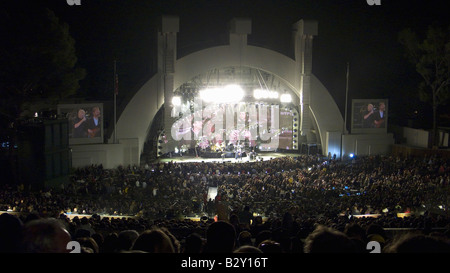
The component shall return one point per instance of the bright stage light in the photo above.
(286, 98)
(227, 94)
(176, 101)
(264, 94)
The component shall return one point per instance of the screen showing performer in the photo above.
(85, 122)
(369, 116)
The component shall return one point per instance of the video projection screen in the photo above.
(369, 116)
(265, 127)
(85, 122)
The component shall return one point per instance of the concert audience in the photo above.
(292, 204)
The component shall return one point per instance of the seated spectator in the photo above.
(220, 238)
(377, 233)
(357, 235)
(10, 233)
(257, 225)
(126, 239)
(154, 241)
(262, 236)
(175, 243)
(418, 243)
(327, 240)
(193, 243)
(88, 245)
(247, 249)
(245, 217)
(81, 233)
(45, 235)
(110, 243)
(297, 244)
(245, 238)
(98, 237)
(86, 225)
(270, 246)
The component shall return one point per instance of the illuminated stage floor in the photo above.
(262, 156)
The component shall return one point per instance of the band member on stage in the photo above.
(237, 154)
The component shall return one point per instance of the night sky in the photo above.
(349, 31)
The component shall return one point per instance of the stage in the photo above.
(259, 157)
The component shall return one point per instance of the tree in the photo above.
(431, 57)
(38, 61)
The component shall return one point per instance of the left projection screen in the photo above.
(85, 122)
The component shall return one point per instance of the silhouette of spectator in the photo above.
(220, 237)
(174, 241)
(30, 217)
(357, 235)
(245, 238)
(126, 239)
(193, 243)
(46, 235)
(418, 243)
(262, 236)
(110, 243)
(297, 244)
(222, 207)
(257, 226)
(288, 220)
(377, 233)
(154, 241)
(88, 245)
(99, 239)
(247, 249)
(245, 217)
(10, 233)
(234, 220)
(86, 225)
(270, 246)
(328, 240)
(81, 233)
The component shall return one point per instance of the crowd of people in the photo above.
(286, 204)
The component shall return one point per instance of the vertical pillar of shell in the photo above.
(304, 32)
(167, 50)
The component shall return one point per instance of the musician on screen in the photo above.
(380, 115)
(79, 126)
(93, 123)
(368, 115)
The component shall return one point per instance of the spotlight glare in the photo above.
(286, 98)
(176, 101)
(264, 94)
(227, 94)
